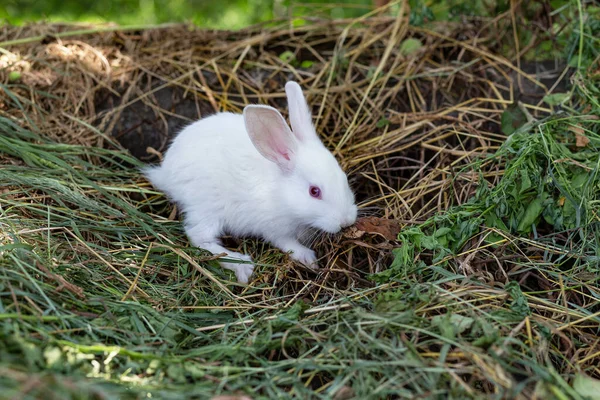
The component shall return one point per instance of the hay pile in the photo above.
(101, 292)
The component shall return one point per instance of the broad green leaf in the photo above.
(533, 211)
(442, 231)
(586, 386)
(525, 181)
(410, 46)
(512, 119)
(580, 179)
(429, 242)
(460, 322)
(556, 98)
(493, 221)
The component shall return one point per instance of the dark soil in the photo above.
(140, 126)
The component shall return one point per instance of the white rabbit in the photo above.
(250, 175)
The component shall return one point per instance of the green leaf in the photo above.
(176, 372)
(460, 323)
(413, 235)
(291, 316)
(446, 329)
(512, 119)
(429, 242)
(556, 98)
(484, 341)
(586, 386)
(467, 229)
(486, 333)
(442, 232)
(525, 181)
(533, 211)
(547, 46)
(569, 213)
(194, 370)
(493, 221)
(14, 76)
(403, 255)
(383, 122)
(287, 56)
(306, 64)
(519, 303)
(419, 13)
(410, 46)
(580, 180)
(297, 22)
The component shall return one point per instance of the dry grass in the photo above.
(403, 126)
(94, 257)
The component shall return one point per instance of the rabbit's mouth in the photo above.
(329, 225)
(334, 231)
(334, 225)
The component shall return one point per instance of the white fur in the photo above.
(249, 175)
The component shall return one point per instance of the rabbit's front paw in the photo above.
(305, 256)
(300, 253)
(243, 271)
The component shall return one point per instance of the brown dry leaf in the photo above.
(385, 246)
(561, 201)
(353, 233)
(580, 139)
(273, 84)
(345, 393)
(388, 228)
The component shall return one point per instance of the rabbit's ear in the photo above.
(271, 135)
(300, 118)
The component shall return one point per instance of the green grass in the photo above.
(235, 14)
(102, 298)
(118, 327)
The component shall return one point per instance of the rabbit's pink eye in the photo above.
(315, 192)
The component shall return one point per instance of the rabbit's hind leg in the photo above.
(205, 236)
